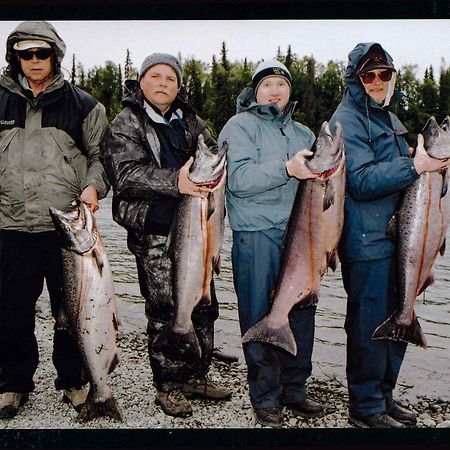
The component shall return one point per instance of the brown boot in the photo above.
(204, 387)
(173, 403)
(10, 403)
(76, 397)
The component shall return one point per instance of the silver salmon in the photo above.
(420, 228)
(195, 243)
(311, 240)
(89, 305)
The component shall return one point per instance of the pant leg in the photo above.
(22, 281)
(372, 365)
(296, 370)
(256, 262)
(66, 355)
(154, 268)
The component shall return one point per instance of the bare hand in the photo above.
(296, 166)
(90, 197)
(186, 186)
(423, 162)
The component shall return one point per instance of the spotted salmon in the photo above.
(420, 229)
(89, 307)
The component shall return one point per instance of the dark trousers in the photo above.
(170, 370)
(273, 374)
(26, 259)
(372, 365)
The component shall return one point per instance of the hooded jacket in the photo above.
(131, 154)
(49, 144)
(378, 166)
(262, 139)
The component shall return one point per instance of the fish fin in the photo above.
(280, 337)
(328, 197)
(171, 341)
(114, 362)
(116, 321)
(442, 249)
(391, 232)
(311, 299)
(211, 205)
(92, 409)
(217, 264)
(444, 183)
(428, 282)
(333, 259)
(391, 330)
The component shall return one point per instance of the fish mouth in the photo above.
(328, 173)
(77, 227)
(328, 152)
(437, 138)
(209, 165)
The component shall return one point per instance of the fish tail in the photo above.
(280, 337)
(186, 343)
(106, 408)
(412, 333)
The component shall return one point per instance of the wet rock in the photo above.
(429, 423)
(444, 424)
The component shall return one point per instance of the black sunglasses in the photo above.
(369, 77)
(42, 54)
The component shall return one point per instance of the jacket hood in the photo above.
(36, 30)
(355, 89)
(246, 102)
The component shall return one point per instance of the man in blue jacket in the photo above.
(379, 168)
(265, 162)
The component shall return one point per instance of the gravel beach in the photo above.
(132, 386)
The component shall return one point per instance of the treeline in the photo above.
(213, 88)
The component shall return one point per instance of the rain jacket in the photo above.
(49, 144)
(260, 193)
(378, 167)
(131, 156)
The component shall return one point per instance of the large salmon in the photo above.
(195, 244)
(420, 228)
(89, 305)
(311, 240)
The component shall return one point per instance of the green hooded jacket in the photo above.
(49, 144)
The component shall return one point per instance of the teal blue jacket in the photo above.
(260, 193)
(378, 167)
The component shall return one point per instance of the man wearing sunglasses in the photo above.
(147, 154)
(379, 168)
(49, 155)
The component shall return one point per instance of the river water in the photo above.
(423, 373)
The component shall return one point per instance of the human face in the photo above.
(273, 89)
(35, 69)
(160, 86)
(377, 89)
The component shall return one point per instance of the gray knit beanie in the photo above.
(162, 58)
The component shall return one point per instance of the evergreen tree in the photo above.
(444, 94)
(289, 57)
(130, 72)
(74, 72)
(408, 107)
(81, 77)
(106, 87)
(193, 85)
(429, 96)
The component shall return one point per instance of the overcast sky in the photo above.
(421, 42)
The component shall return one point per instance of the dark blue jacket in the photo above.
(378, 167)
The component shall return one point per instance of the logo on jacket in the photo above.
(7, 122)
